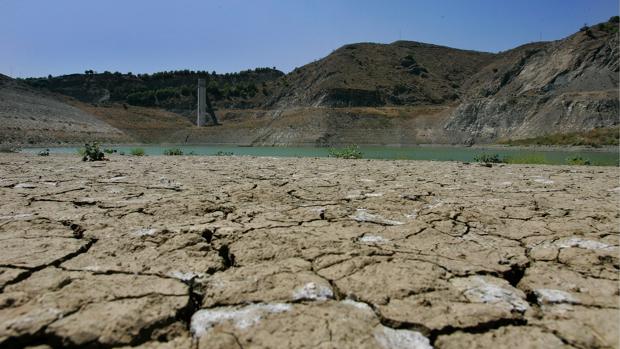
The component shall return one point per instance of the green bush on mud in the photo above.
(137, 152)
(173, 151)
(92, 152)
(578, 160)
(349, 152)
(489, 158)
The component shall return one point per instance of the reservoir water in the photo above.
(438, 153)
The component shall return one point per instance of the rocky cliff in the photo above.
(555, 87)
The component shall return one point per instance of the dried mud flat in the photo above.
(241, 252)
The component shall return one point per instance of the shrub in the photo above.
(578, 160)
(45, 152)
(349, 152)
(173, 151)
(109, 150)
(137, 152)
(92, 152)
(224, 153)
(488, 158)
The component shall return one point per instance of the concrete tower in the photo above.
(202, 103)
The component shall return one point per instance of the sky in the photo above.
(41, 37)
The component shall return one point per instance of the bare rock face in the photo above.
(228, 252)
(536, 89)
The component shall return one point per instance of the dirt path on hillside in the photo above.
(241, 252)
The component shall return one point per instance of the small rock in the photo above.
(400, 339)
(362, 215)
(372, 239)
(312, 291)
(25, 186)
(242, 318)
(549, 296)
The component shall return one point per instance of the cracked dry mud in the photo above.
(241, 252)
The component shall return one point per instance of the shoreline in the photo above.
(542, 148)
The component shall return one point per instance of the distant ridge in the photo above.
(404, 92)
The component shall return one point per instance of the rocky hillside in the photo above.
(29, 117)
(401, 73)
(561, 86)
(172, 90)
(400, 93)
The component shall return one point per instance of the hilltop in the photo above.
(399, 93)
(171, 90)
(367, 74)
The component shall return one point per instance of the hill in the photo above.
(366, 74)
(29, 116)
(556, 87)
(400, 93)
(170, 90)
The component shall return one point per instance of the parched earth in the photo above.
(242, 252)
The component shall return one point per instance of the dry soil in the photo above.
(242, 252)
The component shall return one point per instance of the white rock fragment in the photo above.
(318, 210)
(477, 289)
(117, 178)
(433, 206)
(92, 268)
(400, 339)
(412, 215)
(505, 184)
(115, 190)
(25, 186)
(582, 243)
(242, 318)
(616, 189)
(355, 195)
(312, 291)
(372, 239)
(548, 296)
(362, 215)
(18, 216)
(373, 195)
(145, 232)
(183, 276)
(543, 180)
(359, 305)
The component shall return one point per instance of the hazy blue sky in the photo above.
(40, 37)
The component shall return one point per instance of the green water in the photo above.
(439, 153)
